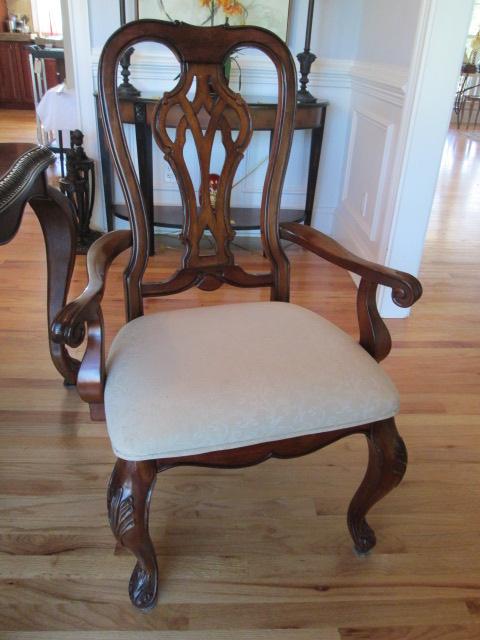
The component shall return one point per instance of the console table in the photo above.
(139, 110)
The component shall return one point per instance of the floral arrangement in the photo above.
(229, 8)
(270, 14)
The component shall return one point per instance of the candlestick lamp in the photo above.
(126, 88)
(306, 58)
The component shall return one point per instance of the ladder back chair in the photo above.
(225, 386)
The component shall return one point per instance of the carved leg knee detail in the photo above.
(387, 464)
(129, 494)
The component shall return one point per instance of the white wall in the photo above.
(380, 69)
(335, 33)
(387, 31)
(104, 18)
(337, 28)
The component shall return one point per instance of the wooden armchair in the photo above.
(229, 385)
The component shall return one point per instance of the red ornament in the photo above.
(213, 181)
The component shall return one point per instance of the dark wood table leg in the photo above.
(315, 152)
(143, 135)
(56, 219)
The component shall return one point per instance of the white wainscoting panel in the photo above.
(363, 218)
(367, 160)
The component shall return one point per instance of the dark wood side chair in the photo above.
(22, 181)
(229, 385)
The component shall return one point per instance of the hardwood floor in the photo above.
(261, 553)
(17, 126)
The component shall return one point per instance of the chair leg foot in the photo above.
(143, 587)
(129, 494)
(387, 464)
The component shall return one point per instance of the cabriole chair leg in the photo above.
(387, 464)
(129, 494)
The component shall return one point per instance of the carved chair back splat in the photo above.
(215, 107)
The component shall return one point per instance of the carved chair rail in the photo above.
(406, 289)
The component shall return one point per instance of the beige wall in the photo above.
(20, 8)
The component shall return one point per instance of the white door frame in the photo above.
(434, 70)
(78, 62)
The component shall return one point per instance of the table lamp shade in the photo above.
(57, 109)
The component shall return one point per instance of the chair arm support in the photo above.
(69, 325)
(406, 289)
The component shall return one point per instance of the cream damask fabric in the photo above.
(211, 378)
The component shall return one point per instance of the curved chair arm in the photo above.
(406, 289)
(68, 328)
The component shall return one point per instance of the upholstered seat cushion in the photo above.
(211, 378)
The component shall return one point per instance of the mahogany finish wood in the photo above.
(212, 98)
(16, 89)
(22, 181)
(69, 326)
(201, 52)
(3, 15)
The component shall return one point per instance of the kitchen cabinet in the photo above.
(15, 81)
